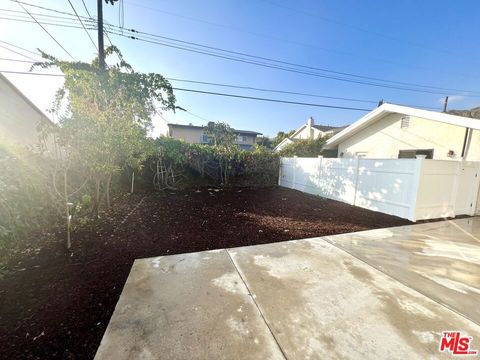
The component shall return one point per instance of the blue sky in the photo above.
(427, 42)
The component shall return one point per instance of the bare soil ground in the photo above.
(56, 304)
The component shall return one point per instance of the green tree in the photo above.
(220, 133)
(106, 114)
(280, 136)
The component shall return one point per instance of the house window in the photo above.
(412, 154)
(242, 139)
(204, 139)
(405, 122)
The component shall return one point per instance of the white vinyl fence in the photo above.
(413, 189)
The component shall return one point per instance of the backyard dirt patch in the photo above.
(55, 304)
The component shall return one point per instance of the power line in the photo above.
(283, 68)
(17, 60)
(81, 22)
(42, 7)
(235, 95)
(290, 63)
(278, 61)
(19, 47)
(28, 73)
(285, 40)
(270, 100)
(288, 92)
(18, 53)
(44, 29)
(271, 90)
(317, 17)
(91, 18)
(43, 23)
(86, 9)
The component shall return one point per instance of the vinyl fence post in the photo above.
(416, 185)
(357, 170)
(455, 187)
(320, 158)
(294, 171)
(280, 172)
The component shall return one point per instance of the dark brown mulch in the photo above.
(57, 305)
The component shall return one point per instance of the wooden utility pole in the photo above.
(445, 104)
(101, 49)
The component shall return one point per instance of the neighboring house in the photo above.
(394, 131)
(308, 131)
(19, 117)
(196, 135)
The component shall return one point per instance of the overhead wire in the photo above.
(46, 31)
(277, 61)
(81, 22)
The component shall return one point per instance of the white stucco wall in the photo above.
(18, 118)
(385, 138)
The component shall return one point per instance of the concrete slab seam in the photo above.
(256, 305)
(464, 231)
(401, 282)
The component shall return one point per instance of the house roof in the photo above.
(281, 143)
(324, 127)
(245, 132)
(387, 109)
(27, 100)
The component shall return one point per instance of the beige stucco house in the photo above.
(19, 117)
(196, 135)
(309, 130)
(394, 131)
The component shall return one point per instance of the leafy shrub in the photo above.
(258, 167)
(26, 200)
(175, 163)
(304, 148)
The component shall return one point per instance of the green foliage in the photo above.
(174, 160)
(304, 148)
(27, 202)
(280, 136)
(220, 134)
(258, 167)
(104, 116)
(265, 142)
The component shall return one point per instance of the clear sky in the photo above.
(426, 42)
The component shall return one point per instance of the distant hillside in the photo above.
(472, 113)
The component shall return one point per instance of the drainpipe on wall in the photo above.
(466, 143)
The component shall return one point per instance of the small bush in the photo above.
(304, 148)
(26, 201)
(177, 164)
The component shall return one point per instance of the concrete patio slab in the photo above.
(320, 303)
(440, 260)
(190, 306)
(305, 299)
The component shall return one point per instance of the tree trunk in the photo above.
(97, 197)
(109, 180)
(67, 209)
(133, 181)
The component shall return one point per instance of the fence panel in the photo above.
(384, 185)
(437, 189)
(387, 185)
(413, 189)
